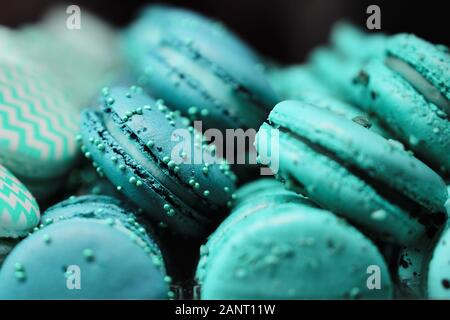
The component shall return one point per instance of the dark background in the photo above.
(284, 30)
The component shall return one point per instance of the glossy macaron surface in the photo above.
(37, 124)
(408, 92)
(195, 64)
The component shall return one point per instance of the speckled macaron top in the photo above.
(350, 170)
(293, 251)
(431, 61)
(408, 92)
(195, 64)
(19, 211)
(157, 160)
(85, 250)
(251, 198)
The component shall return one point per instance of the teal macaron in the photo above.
(198, 67)
(38, 126)
(409, 91)
(157, 160)
(289, 250)
(350, 48)
(373, 182)
(19, 212)
(292, 81)
(86, 248)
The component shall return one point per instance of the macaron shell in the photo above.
(419, 124)
(294, 252)
(132, 142)
(344, 109)
(36, 269)
(352, 43)
(337, 73)
(151, 195)
(19, 211)
(293, 81)
(37, 124)
(432, 62)
(385, 160)
(244, 208)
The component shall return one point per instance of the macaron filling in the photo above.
(419, 82)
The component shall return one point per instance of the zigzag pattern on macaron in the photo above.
(30, 116)
(19, 211)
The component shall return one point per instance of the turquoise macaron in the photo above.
(86, 248)
(198, 67)
(157, 160)
(19, 212)
(288, 249)
(372, 181)
(38, 125)
(299, 82)
(409, 91)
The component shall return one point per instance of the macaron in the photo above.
(198, 67)
(86, 248)
(409, 92)
(157, 160)
(38, 126)
(292, 81)
(353, 43)
(19, 212)
(82, 59)
(290, 250)
(373, 182)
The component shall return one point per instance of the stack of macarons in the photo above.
(199, 67)
(276, 245)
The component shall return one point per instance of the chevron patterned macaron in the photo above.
(19, 212)
(37, 123)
